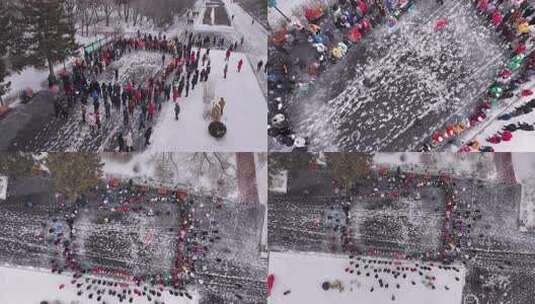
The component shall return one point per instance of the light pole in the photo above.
(273, 4)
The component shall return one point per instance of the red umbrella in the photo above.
(355, 34)
(526, 92)
(496, 18)
(441, 24)
(494, 139)
(506, 74)
(520, 49)
(450, 131)
(507, 136)
(437, 137)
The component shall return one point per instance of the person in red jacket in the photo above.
(227, 55)
(151, 110)
(240, 65)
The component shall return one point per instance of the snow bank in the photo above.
(303, 274)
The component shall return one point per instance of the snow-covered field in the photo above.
(31, 286)
(244, 114)
(479, 166)
(302, 274)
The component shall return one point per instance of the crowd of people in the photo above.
(186, 63)
(329, 32)
(99, 282)
(515, 21)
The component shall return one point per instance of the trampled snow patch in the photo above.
(301, 275)
(31, 286)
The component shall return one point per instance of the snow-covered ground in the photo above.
(189, 170)
(479, 166)
(31, 286)
(302, 275)
(245, 114)
(523, 141)
(524, 164)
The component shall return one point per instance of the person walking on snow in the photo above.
(227, 55)
(84, 111)
(240, 65)
(177, 110)
(151, 110)
(259, 65)
(225, 71)
(129, 141)
(148, 134)
(175, 94)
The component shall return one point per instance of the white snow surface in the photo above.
(244, 114)
(303, 274)
(31, 286)
(474, 165)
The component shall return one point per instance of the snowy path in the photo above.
(244, 114)
(302, 275)
(255, 40)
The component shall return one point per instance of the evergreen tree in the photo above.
(74, 173)
(49, 32)
(349, 169)
(10, 37)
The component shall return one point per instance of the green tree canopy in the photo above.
(290, 161)
(74, 173)
(16, 164)
(349, 169)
